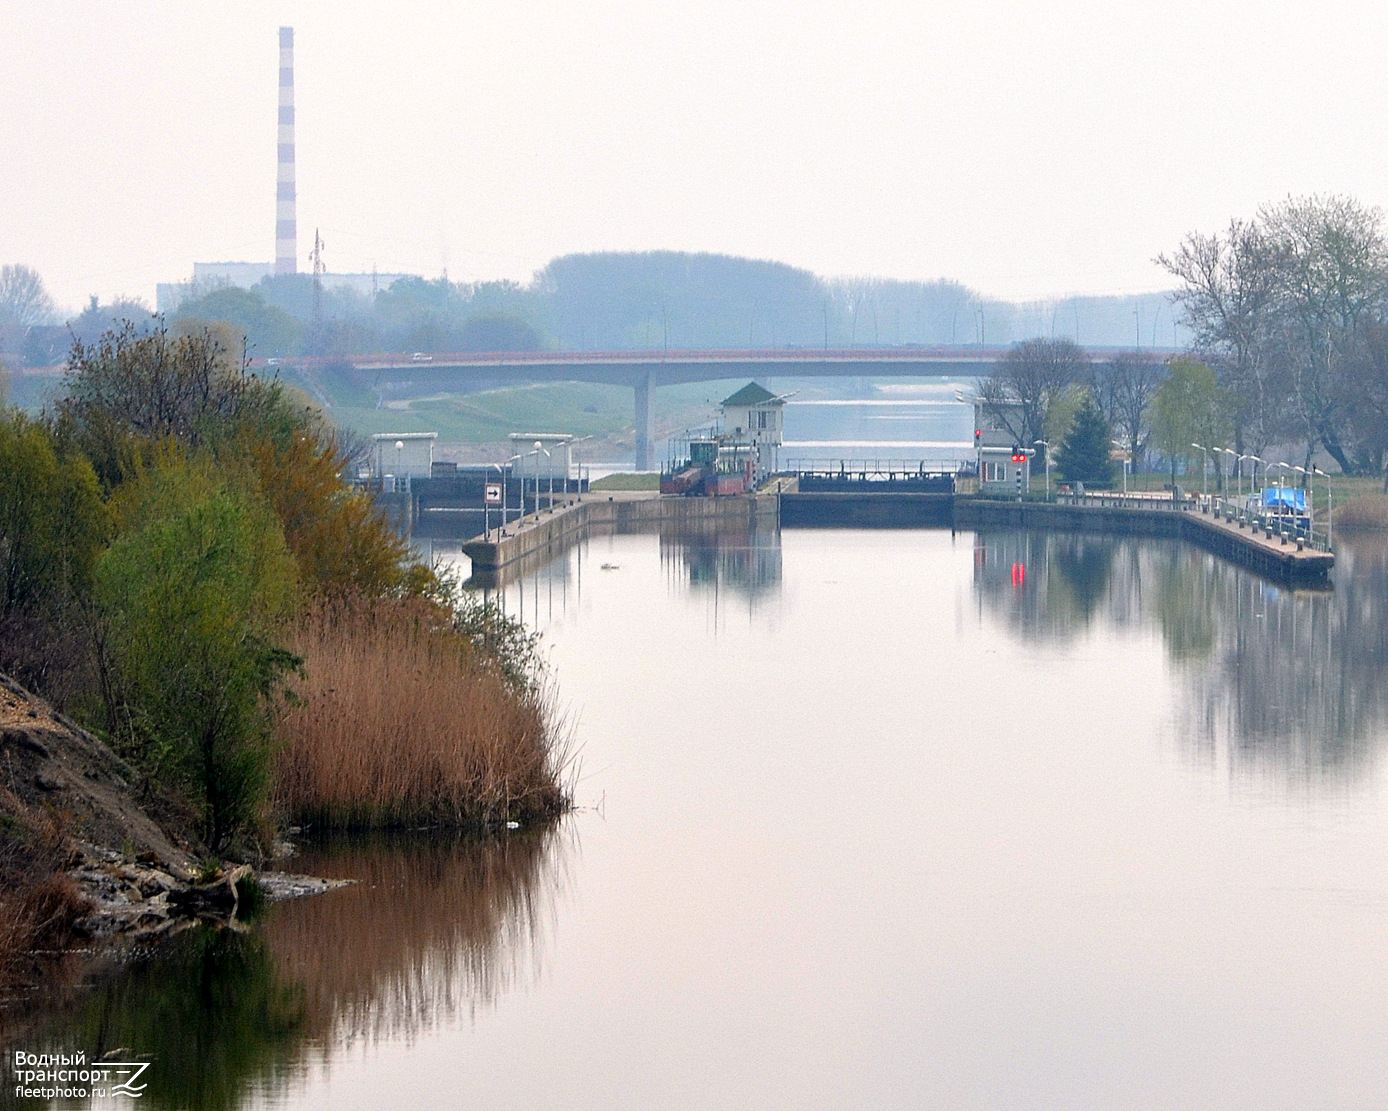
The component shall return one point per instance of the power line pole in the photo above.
(318, 270)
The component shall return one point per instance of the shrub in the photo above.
(341, 543)
(192, 594)
(38, 904)
(402, 719)
(53, 525)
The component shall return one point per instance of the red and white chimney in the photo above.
(286, 236)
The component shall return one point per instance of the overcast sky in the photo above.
(1025, 149)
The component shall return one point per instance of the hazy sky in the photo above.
(1025, 149)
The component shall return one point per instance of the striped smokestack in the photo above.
(286, 239)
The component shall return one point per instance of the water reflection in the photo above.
(1284, 680)
(431, 928)
(741, 560)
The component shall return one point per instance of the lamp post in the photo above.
(1231, 452)
(1127, 462)
(1330, 508)
(1253, 475)
(578, 477)
(1238, 466)
(1222, 452)
(1047, 445)
(486, 509)
(535, 453)
(1307, 483)
(1282, 469)
(539, 448)
(1204, 471)
(399, 454)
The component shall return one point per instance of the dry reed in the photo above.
(1367, 511)
(38, 903)
(400, 720)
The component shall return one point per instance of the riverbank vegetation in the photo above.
(184, 570)
(408, 715)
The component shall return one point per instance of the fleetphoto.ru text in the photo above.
(50, 1076)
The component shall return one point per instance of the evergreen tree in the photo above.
(1084, 453)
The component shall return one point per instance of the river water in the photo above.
(877, 819)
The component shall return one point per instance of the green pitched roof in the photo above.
(750, 394)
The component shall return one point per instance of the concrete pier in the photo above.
(550, 533)
(1270, 558)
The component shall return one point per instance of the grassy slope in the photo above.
(623, 481)
(489, 416)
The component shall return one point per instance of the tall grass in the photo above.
(38, 903)
(1368, 511)
(406, 717)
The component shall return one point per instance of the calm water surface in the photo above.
(870, 820)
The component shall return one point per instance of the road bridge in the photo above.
(646, 370)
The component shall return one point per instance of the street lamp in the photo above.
(1283, 468)
(1238, 465)
(399, 452)
(486, 509)
(1330, 508)
(1204, 471)
(1253, 475)
(1307, 481)
(539, 447)
(1235, 455)
(1047, 445)
(1127, 462)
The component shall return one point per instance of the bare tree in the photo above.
(1332, 262)
(24, 303)
(1019, 391)
(1369, 419)
(1229, 298)
(1123, 388)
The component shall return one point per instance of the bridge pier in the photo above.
(645, 388)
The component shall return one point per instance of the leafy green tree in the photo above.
(53, 526)
(1190, 407)
(193, 594)
(1084, 453)
(1060, 413)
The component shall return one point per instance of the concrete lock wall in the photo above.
(549, 534)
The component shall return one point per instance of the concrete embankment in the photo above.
(1247, 547)
(546, 534)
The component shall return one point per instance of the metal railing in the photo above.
(1290, 528)
(1157, 501)
(870, 470)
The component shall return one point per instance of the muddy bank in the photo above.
(88, 855)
